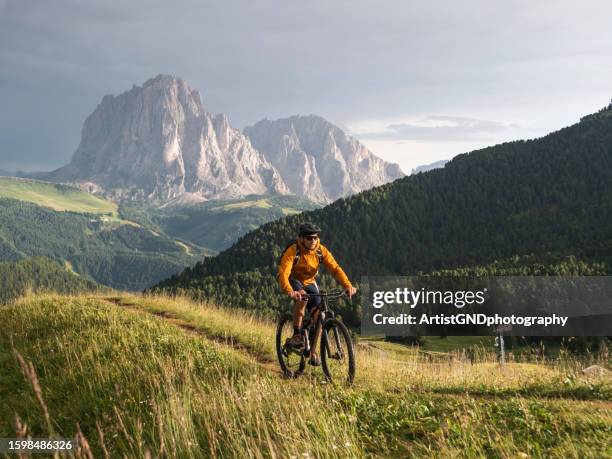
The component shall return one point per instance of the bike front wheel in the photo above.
(337, 353)
(292, 362)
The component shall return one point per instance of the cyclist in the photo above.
(297, 271)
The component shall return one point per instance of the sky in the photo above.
(414, 81)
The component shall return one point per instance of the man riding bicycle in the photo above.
(297, 271)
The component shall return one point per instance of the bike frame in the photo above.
(324, 313)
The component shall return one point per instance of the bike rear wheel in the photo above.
(337, 353)
(292, 362)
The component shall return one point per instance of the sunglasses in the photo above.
(311, 238)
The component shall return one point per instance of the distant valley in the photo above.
(125, 246)
(84, 234)
(217, 224)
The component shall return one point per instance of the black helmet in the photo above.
(308, 229)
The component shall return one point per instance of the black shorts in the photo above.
(314, 301)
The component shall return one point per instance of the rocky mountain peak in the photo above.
(157, 143)
(318, 159)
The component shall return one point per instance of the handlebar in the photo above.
(330, 294)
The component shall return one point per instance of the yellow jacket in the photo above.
(305, 270)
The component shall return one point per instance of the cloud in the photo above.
(442, 128)
(344, 60)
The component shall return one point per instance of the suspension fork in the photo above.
(339, 354)
(324, 338)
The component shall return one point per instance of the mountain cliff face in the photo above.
(317, 159)
(156, 143)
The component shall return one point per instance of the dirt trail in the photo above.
(262, 360)
(271, 365)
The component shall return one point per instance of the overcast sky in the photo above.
(416, 81)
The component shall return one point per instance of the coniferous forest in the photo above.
(121, 256)
(38, 274)
(539, 206)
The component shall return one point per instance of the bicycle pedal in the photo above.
(291, 350)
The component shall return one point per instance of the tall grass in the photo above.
(134, 384)
(392, 366)
(147, 386)
(233, 326)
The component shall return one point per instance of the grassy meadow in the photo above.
(153, 376)
(55, 196)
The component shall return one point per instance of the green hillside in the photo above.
(122, 256)
(128, 246)
(216, 224)
(546, 198)
(55, 196)
(163, 377)
(38, 274)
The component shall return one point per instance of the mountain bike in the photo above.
(336, 347)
